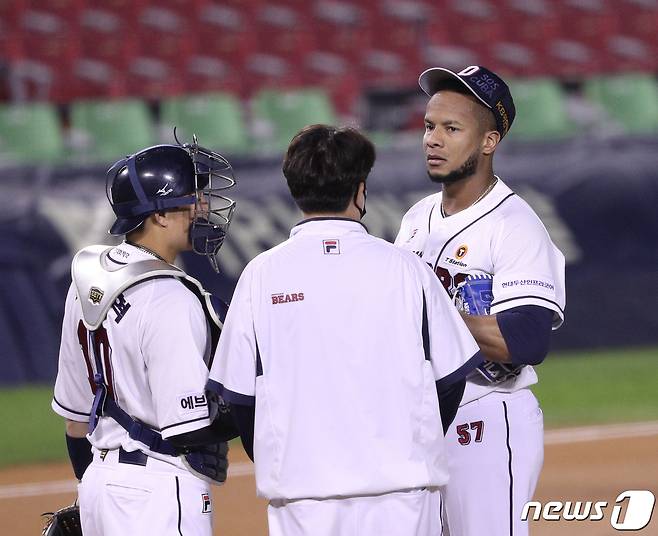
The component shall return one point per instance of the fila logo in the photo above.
(207, 503)
(287, 298)
(331, 247)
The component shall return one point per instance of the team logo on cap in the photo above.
(331, 247)
(461, 251)
(95, 295)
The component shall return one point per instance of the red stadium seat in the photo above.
(400, 25)
(630, 54)
(187, 9)
(165, 35)
(11, 44)
(106, 37)
(534, 22)
(95, 79)
(250, 8)
(34, 80)
(67, 9)
(128, 10)
(452, 57)
(342, 28)
(153, 78)
(590, 22)
(204, 74)
(469, 23)
(571, 59)
(48, 38)
(269, 71)
(640, 20)
(284, 32)
(335, 75)
(11, 11)
(515, 59)
(224, 32)
(385, 68)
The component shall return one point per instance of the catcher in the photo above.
(138, 338)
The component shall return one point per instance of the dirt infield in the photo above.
(587, 470)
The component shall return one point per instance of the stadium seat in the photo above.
(30, 133)
(215, 118)
(280, 115)
(48, 38)
(224, 32)
(110, 129)
(631, 100)
(283, 32)
(104, 35)
(540, 110)
(92, 79)
(209, 74)
(125, 9)
(154, 78)
(342, 28)
(336, 75)
(590, 22)
(640, 20)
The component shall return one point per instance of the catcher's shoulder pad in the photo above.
(63, 522)
(99, 282)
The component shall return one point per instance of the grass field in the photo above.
(574, 389)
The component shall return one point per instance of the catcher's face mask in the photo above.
(213, 211)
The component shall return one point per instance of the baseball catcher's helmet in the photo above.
(163, 177)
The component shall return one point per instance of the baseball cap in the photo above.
(486, 85)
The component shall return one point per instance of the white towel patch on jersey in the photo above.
(192, 402)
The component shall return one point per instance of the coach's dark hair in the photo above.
(324, 166)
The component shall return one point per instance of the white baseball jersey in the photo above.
(155, 368)
(325, 332)
(501, 236)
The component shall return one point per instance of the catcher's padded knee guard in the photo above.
(474, 296)
(208, 462)
(64, 522)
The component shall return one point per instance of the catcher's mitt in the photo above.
(474, 296)
(64, 522)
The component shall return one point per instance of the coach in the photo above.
(336, 343)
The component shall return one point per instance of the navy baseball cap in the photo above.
(486, 85)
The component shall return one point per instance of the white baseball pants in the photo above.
(404, 513)
(495, 449)
(120, 499)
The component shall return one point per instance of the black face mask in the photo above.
(362, 211)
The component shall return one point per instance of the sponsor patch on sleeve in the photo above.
(192, 402)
